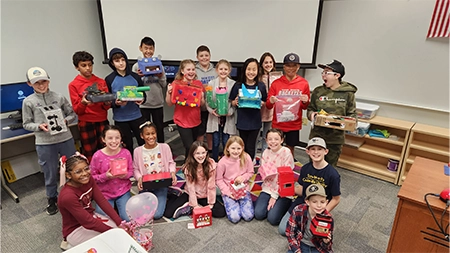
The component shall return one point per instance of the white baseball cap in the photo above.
(35, 74)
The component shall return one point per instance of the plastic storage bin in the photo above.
(366, 111)
(361, 129)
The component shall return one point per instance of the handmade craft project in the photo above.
(132, 93)
(209, 97)
(156, 180)
(187, 94)
(321, 225)
(287, 108)
(95, 95)
(119, 166)
(202, 217)
(55, 119)
(238, 191)
(222, 101)
(285, 181)
(249, 98)
(150, 66)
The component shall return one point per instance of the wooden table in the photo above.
(414, 229)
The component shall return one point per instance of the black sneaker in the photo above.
(52, 208)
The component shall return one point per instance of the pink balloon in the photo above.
(141, 208)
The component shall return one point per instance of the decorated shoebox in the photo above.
(336, 122)
(202, 217)
(321, 225)
(186, 94)
(95, 95)
(132, 93)
(249, 98)
(150, 66)
(156, 181)
(119, 166)
(285, 181)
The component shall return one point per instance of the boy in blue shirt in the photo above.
(127, 115)
(50, 141)
(153, 108)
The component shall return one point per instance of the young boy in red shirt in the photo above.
(92, 117)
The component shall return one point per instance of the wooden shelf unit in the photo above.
(372, 157)
(426, 141)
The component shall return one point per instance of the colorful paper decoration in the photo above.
(187, 94)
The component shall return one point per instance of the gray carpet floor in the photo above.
(363, 221)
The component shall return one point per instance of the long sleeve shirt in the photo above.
(296, 227)
(168, 165)
(270, 161)
(115, 187)
(75, 206)
(229, 168)
(202, 188)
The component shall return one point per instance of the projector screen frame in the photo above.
(279, 65)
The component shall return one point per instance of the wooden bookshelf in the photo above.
(426, 141)
(372, 157)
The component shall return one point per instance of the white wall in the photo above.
(387, 61)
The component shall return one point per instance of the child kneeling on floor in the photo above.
(300, 236)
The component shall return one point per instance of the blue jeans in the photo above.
(161, 195)
(121, 203)
(275, 214)
(216, 142)
(305, 249)
(48, 158)
(283, 224)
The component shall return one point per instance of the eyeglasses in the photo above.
(86, 169)
(328, 73)
(147, 123)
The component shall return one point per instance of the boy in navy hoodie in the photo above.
(126, 115)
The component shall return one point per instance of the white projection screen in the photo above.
(233, 29)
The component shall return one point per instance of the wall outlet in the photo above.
(305, 121)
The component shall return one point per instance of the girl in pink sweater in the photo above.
(233, 171)
(200, 174)
(150, 158)
(115, 188)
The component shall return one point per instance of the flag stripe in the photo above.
(439, 25)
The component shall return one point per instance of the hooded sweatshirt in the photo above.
(95, 112)
(340, 101)
(33, 115)
(298, 86)
(116, 82)
(205, 75)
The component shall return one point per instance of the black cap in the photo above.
(336, 66)
(291, 58)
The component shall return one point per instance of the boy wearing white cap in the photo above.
(301, 235)
(40, 114)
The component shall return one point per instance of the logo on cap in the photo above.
(313, 188)
(291, 57)
(36, 72)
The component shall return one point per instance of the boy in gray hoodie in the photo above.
(40, 112)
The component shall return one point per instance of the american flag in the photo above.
(439, 20)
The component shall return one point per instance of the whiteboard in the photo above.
(233, 29)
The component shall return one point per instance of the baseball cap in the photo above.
(316, 141)
(35, 74)
(315, 189)
(336, 66)
(291, 58)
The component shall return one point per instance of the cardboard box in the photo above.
(286, 181)
(156, 181)
(202, 217)
(336, 122)
(119, 166)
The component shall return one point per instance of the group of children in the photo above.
(90, 174)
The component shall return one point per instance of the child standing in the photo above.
(115, 188)
(290, 84)
(236, 167)
(79, 221)
(300, 237)
(269, 204)
(267, 65)
(318, 171)
(200, 173)
(48, 145)
(221, 126)
(249, 119)
(92, 117)
(126, 114)
(335, 97)
(152, 108)
(153, 157)
(186, 118)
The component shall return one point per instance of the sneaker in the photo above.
(175, 191)
(182, 210)
(52, 208)
(65, 245)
